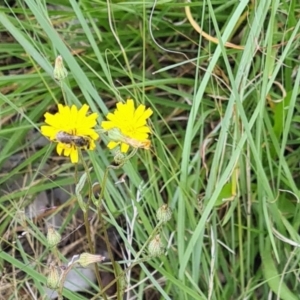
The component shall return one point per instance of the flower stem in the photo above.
(87, 223)
(98, 204)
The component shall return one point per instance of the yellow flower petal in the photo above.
(124, 147)
(139, 112)
(59, 148)
(90, 133)
(112, 145)
(60, 108)
(148, 113)
(67, 150)
(107, 125)
(140, 136)
(64, 111)
(92, 145)
(129, 108)
(50, 119)
(142, 117)
(83, 111)
(144, 129)
(89, 121)
(111, 117)
(74, 155)
(49, 131)
(72, 122)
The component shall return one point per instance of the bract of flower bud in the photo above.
(53, 237)
(59, 72)
(86, 259)
(119, 158)
(53, 278)
(164, 213)
(156, 247)
(115, 134)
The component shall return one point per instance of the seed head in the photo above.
(53, 278)
(156, 247)
(119, 158)
(53, 237)
(164, 213)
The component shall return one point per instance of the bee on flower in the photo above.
(127, 126)
(69, 139)
(72, 129)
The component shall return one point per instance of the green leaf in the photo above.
(273, 278)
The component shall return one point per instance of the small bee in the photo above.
(76, 140)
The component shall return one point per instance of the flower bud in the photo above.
(86, 259)
(164, 213)
(53, 237)
(119, 158)
(53, 278)
(156, 247)
(59, 72)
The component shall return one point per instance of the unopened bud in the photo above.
(59, 72)
(53, 237)
(119, 158)
(53, 278)
(164, 213)
(156, 247)
(86, 259)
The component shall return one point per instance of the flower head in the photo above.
(72, 129)
(127, 126)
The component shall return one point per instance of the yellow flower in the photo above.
(72, 129)
(128, 126)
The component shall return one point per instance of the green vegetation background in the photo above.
(225, 149)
